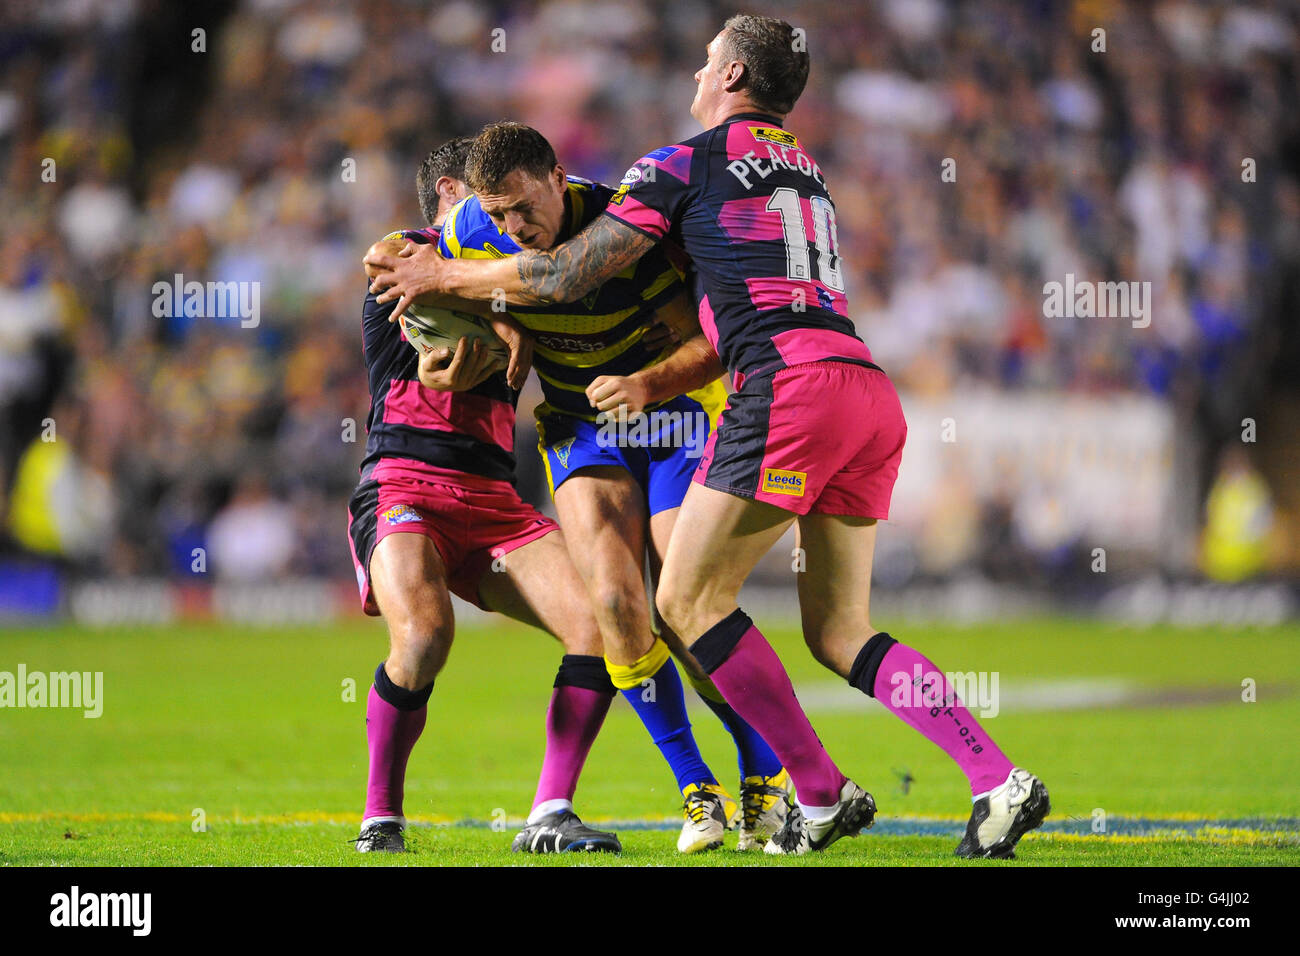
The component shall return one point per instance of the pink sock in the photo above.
(758, 688)
(572, 722)
(391, 734)
(934, 711)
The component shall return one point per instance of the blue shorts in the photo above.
(660, 449)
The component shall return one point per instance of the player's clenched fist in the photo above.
(383, 249)
(607, 392)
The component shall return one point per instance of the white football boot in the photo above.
(707, 816)
(1002, 816)
(382, 836)
(855, 812)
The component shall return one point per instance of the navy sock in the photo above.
(754, 756)
(400, 697)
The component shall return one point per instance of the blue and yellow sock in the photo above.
(654, 689)
(754, 756)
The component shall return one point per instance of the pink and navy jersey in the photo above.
(751, 209)
(471, 431)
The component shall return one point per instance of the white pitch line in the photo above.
(827, 697)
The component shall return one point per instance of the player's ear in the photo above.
(559, 178)
(733, 77)
(450, 189)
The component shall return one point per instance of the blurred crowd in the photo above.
(974, 151)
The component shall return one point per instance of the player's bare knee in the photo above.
(821, 654)
(422, 647)
(613, 602)
(835, 650)
(676, 612)
(690, 609)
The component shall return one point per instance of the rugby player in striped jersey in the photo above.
(617, 492)
(813, 434)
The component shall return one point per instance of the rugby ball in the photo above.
(428, 327)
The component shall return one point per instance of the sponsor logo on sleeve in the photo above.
(630, 179)
(777, 481)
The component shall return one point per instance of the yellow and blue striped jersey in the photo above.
(600, 334)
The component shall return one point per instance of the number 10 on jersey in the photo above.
(785, 201)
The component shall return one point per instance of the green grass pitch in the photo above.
(254, 732)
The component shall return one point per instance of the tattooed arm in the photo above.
(588, 260)
(562, 274)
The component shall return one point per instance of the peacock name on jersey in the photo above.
(752, 165)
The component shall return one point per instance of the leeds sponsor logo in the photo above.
(779, 482)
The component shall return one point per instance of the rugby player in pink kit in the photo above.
(813, 434)
(435, 508)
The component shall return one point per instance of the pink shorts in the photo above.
(471, 520)
(820, 437)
